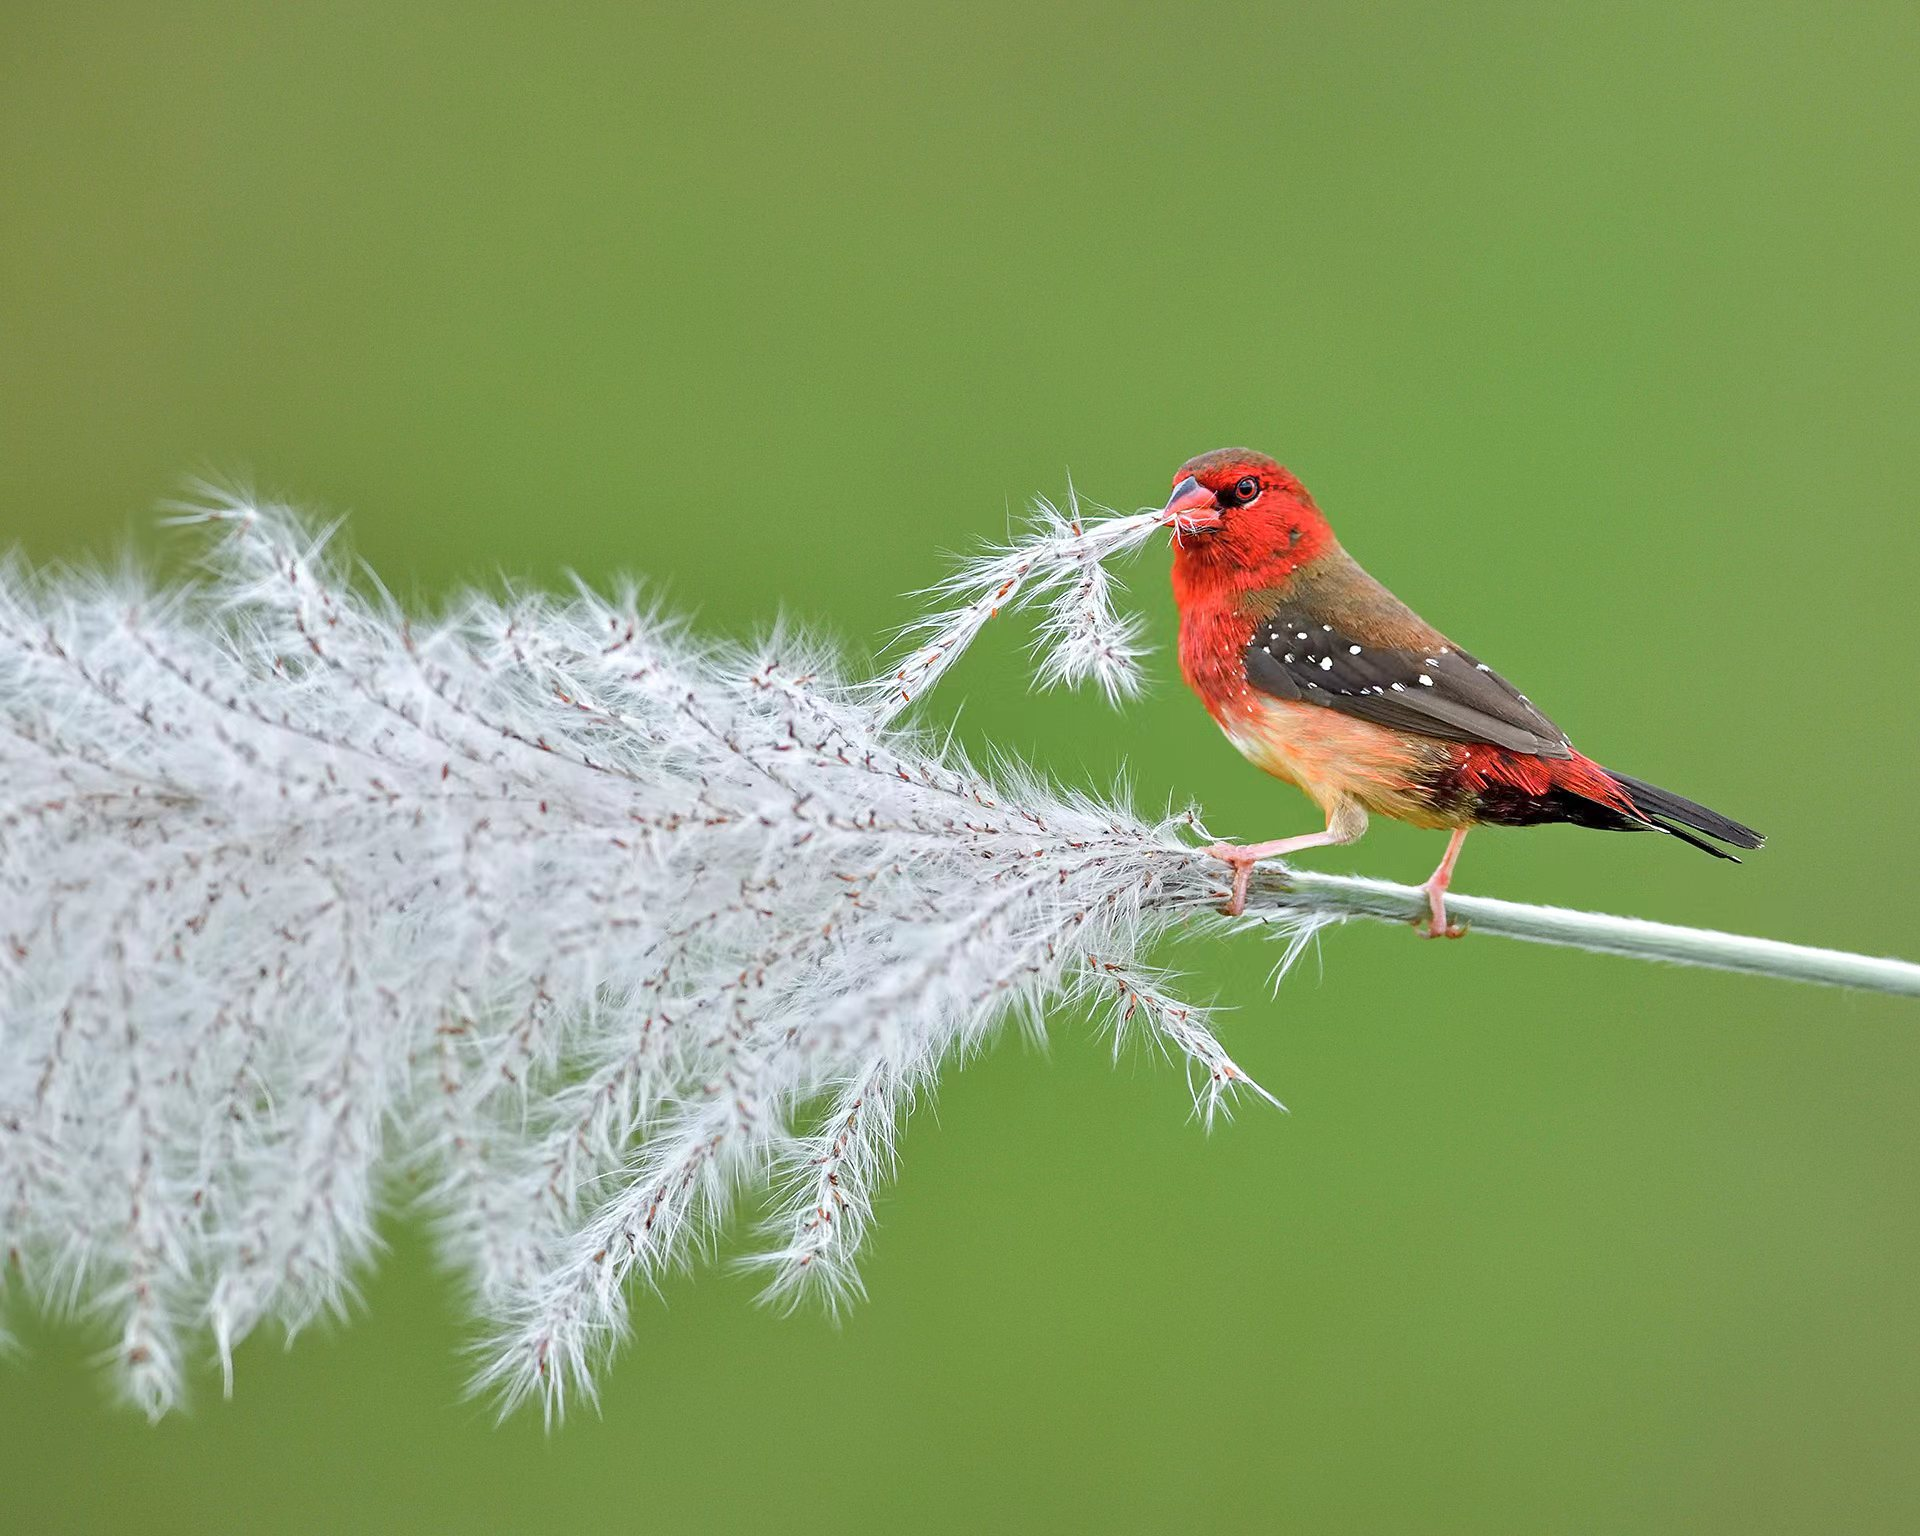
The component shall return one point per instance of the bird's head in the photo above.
(1238, 516)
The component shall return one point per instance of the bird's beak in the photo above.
(1191, 508)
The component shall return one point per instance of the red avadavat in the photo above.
(1324, 678)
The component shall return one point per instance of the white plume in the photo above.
(586, 922)
(1082, 636)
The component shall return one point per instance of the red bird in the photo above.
(1324, 678)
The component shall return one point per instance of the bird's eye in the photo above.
(1245, 489)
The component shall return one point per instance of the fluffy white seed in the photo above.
(587, 924)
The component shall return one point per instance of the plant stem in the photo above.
(1293, 891)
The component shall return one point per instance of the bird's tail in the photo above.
(1663, 808)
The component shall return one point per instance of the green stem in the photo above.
(1343, 896)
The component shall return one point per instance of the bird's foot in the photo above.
(1435, 924)
(1241, 862)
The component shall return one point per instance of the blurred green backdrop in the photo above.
(1596, 335)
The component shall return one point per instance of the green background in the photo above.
(1596, 336)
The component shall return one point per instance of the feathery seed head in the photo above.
(588, 924)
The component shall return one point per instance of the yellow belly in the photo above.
(1336, 758)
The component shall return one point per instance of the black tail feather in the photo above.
(1662, 807)
(1687, 837)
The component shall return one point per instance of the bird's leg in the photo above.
(1345, 822)
(1242, 857)
(1436, 888)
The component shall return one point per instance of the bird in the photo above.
(1323, 678)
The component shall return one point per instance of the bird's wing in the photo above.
(1436, 691)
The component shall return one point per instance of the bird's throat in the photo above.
(1215, 569)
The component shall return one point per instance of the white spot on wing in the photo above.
(1425, 680)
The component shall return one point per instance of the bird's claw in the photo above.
(1241, 863)
(1435, 923)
